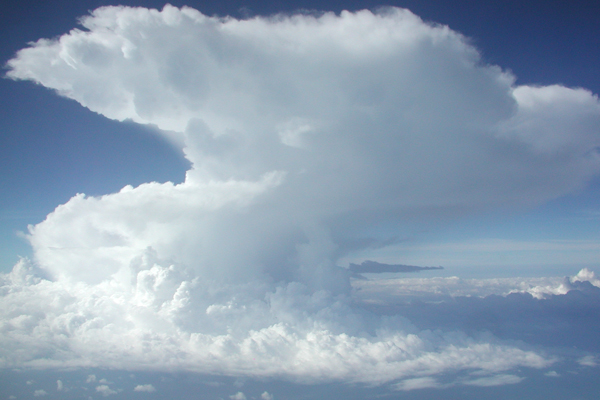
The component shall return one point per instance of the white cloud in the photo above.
(299, 128)
(417, 383)
(293, 333)
(105, 390)
(59, 385)
(573, 111)
(304, 133)
(144, 388)
(586, 275)
(400, 109)
(588, 361)
(90, 378)
(238, 396)
(377, 291)
(495, 380)
(39, 393)
(267, 396)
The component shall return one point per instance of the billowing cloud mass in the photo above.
(309, 136)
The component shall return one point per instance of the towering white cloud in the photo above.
(305, 133)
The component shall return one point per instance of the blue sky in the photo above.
(199, 185)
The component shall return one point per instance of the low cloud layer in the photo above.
(291, 333)
(381, 336)
(309, 136)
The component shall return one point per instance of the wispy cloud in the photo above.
(494, 380)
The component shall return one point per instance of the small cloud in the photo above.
(144, 388)
(30, 382)
(495, 380)
(417, 383)
(266, 396)
(11, 397)
(105, 390)
(238, 396)
(239, 383)
(588, 361)
(586, 275)
(90, 378)
(39, 393)
(552, 374)
(59, 385)
(103, 380)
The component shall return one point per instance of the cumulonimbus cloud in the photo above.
(305, 132)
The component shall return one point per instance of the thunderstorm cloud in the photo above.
(306, 134)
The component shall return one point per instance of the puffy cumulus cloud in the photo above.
(238, 396)
(305, 133)
(105, 390)
(586, 275)
(267, 396)
(89, 239)
(144, 388)
(164, 321)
